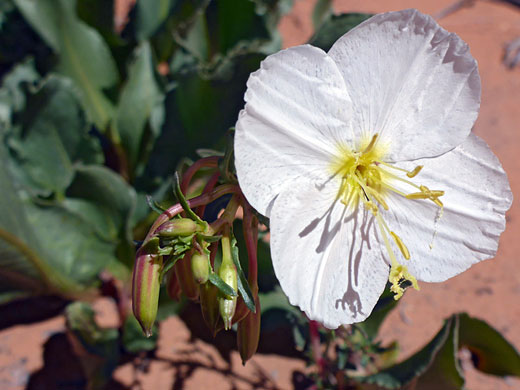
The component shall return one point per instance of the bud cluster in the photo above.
(200, 261)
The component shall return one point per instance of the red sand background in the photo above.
(489, 290)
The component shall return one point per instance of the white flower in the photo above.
(330, 147)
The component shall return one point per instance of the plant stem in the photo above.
(212, 182)
(207, 162)
(194, 202)
(251, 239)
(228, 216)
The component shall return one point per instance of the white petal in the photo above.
(326, 258)
(297, 108)
(410, 81)
(477, 196)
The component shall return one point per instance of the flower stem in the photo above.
(194, 202)
(207, 162)
(251, 239)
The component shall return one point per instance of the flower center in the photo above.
(366, 179)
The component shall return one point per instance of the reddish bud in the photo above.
(248, 333)
(185, 277)
(145, 289)
(209, 306)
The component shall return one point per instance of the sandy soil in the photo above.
(37, 356)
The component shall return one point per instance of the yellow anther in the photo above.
(417, 195)
(370, 146)
(398, 275)
(438, 203)
(378, 197)
(415, 171)
(401, 246)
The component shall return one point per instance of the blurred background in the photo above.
(100, 101)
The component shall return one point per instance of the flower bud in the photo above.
(145, 289)
(173, 286)
(200, 267)
(209, 306)
(178, 227)
(227, 304)
(248, 333)
(185, 277)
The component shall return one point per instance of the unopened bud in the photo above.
(145, 289)
(200, 267)
(209, 306)
(248, 333)
(178, 227)
(172, 286)
(185, 277)
(227, 304)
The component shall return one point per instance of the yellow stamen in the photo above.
(367, 179)
(415, 171)
(401, 246)
(370, 146)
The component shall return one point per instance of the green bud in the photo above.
(145, 289)
(248, 333)
(185, 277)
(209, 306)
(200, 267)
(227, 304)
(178, 227)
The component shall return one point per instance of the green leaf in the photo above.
(243, 285)
(113, 197)
(491, 352)
(335, 27)
(445, 372)
(151, 14)
(77, 45)
(224, 288)
(133, 338)
(154, 205)
(384, 306)
(21, 267)
(322, 11)
(52, 136)
(182, 200)
(140, 96)
(97, 348)
(199, 111)
(397, 376)
(70, 244)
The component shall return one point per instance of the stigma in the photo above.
(366, 181)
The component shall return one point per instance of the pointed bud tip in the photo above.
(148, 333)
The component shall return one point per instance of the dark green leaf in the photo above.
(53, 136)
(491, 352)
(445, 372)
(224, 288)
(97, 348)
(182, 200)
(21, 265)
(151, 14)
(133, 338)
(70, 244)
(110, 194)
(139, 97)
(395, 377)
(322, 11)
(384, 306)
(154, 205)
(243, 285)
(335, 27)
(199, 111)
(83, 54)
